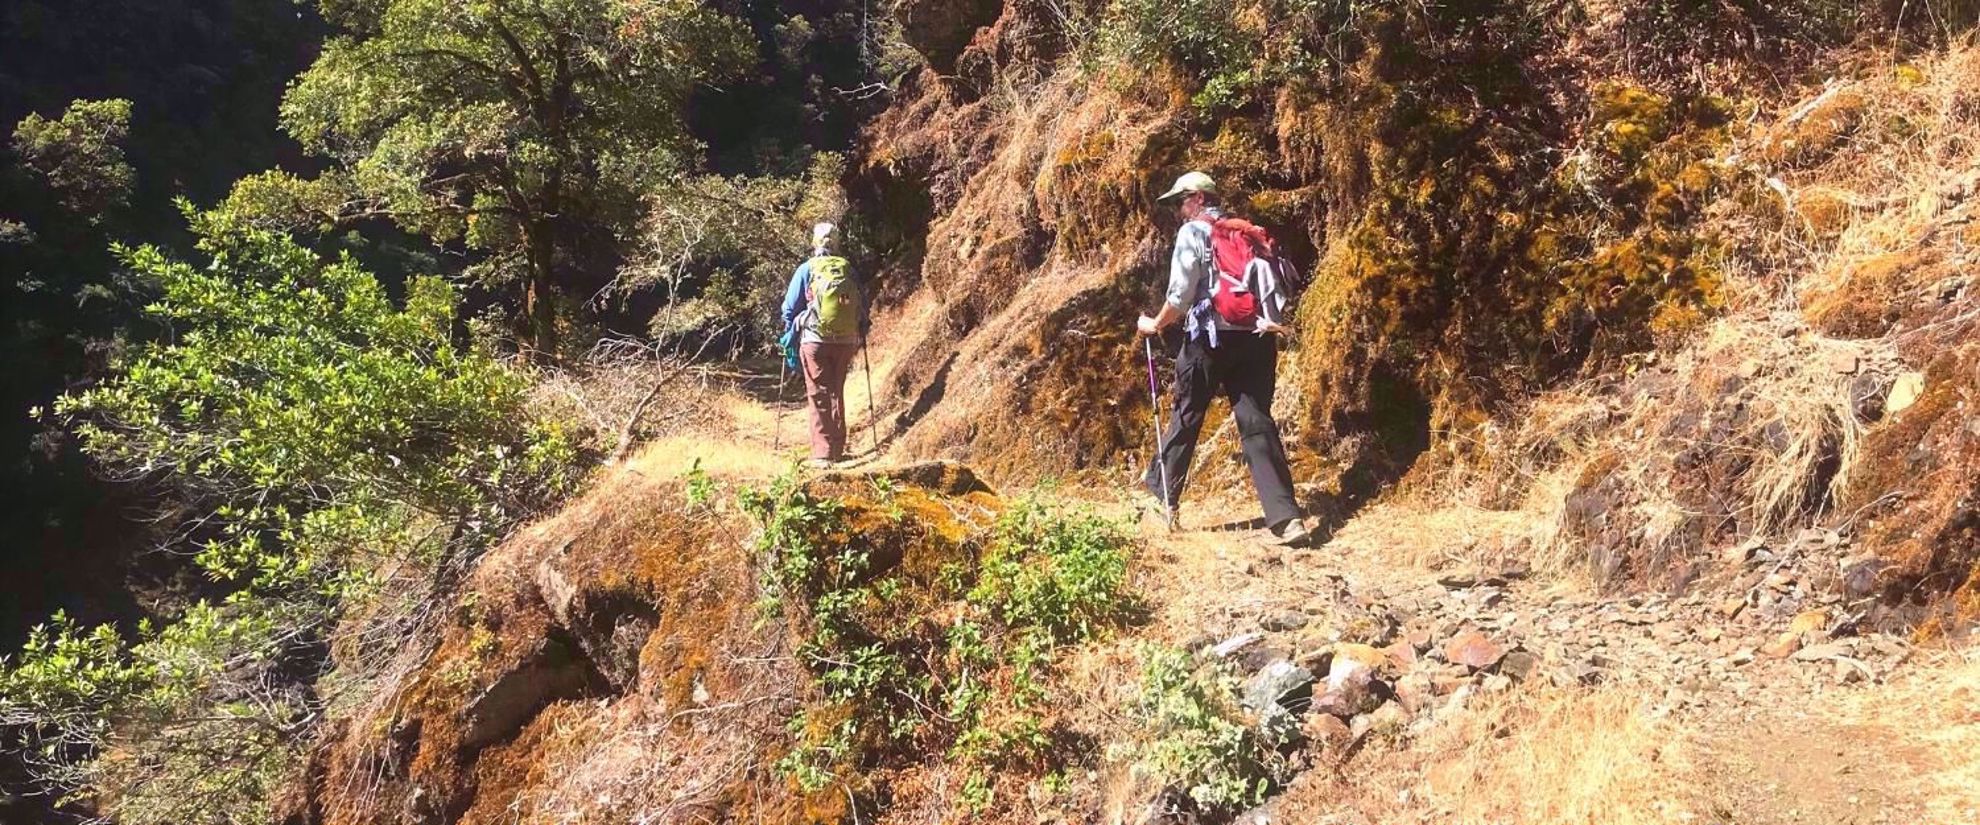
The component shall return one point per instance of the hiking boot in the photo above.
(1293, 533)
(819, 464)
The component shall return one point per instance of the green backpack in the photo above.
(834, 297)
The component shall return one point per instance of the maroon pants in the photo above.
(825, 369)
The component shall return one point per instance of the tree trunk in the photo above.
(539, 315)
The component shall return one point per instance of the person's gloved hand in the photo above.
(1146, 325)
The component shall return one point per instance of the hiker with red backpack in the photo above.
(825, 323)
(1229, 290)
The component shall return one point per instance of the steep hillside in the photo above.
(1636, 383)
(1508, 215)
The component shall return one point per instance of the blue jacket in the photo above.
(797, 299)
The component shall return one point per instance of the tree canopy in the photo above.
(527, 132)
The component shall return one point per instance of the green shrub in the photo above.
(1200, 36)
(1195, 736)
(1062, 573)
(1046, 578)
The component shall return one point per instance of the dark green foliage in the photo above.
(202, 78)
(294, 387)
(527, 133)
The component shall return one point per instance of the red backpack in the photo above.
(1235, 245)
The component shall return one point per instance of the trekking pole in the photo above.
(872, 419)
(1155, 411)
(783, 377)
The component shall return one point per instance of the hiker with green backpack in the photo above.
(1228, 290)
(825, 323)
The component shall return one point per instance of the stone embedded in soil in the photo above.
(1473, 650)
(1519, 664)
(1275, 695)
(1390, 717)
(1445, 684)
(1815, 539)
(1366, 655)
(1422, 637)
(1821, 652)
(1904, 392)
(1224, 649)
(1731, 608)
(1583, 675)
(1414, 691)
(1261, 815)
(1351, 688)
(1862, 577)
(1849, 671)
(1284, 621)
(1260, 656)
(1809, 621)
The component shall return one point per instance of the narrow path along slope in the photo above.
(1519, 694)
(1512, 695)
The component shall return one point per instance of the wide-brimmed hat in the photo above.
(1188, 183)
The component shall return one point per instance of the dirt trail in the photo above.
(1742, 735)
(1810, 737)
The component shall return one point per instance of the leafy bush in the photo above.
(526, 132)
(315, 435)
(1062, 573)
(1201, 36)
(1195, 734)
(1047, 578)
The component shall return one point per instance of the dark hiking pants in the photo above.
(825, 369)
(1245, 368)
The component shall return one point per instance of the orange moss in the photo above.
(1811, 136)
(1917, 483)
(503, 774)
(1871, 294)
(1825, 211)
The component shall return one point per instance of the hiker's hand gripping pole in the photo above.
(1155, 411)
(1151, 325)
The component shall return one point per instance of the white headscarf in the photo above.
(821, 237)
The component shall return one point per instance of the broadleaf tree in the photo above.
(80, 156)
(527, 131)
(325, 443)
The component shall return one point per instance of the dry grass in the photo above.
(1751, 430)
(1432, 537)
(1846, 222)
(1561, 758)
(1935, 710)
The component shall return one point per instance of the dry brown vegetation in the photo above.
(1823, 394)
(1638, 316)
